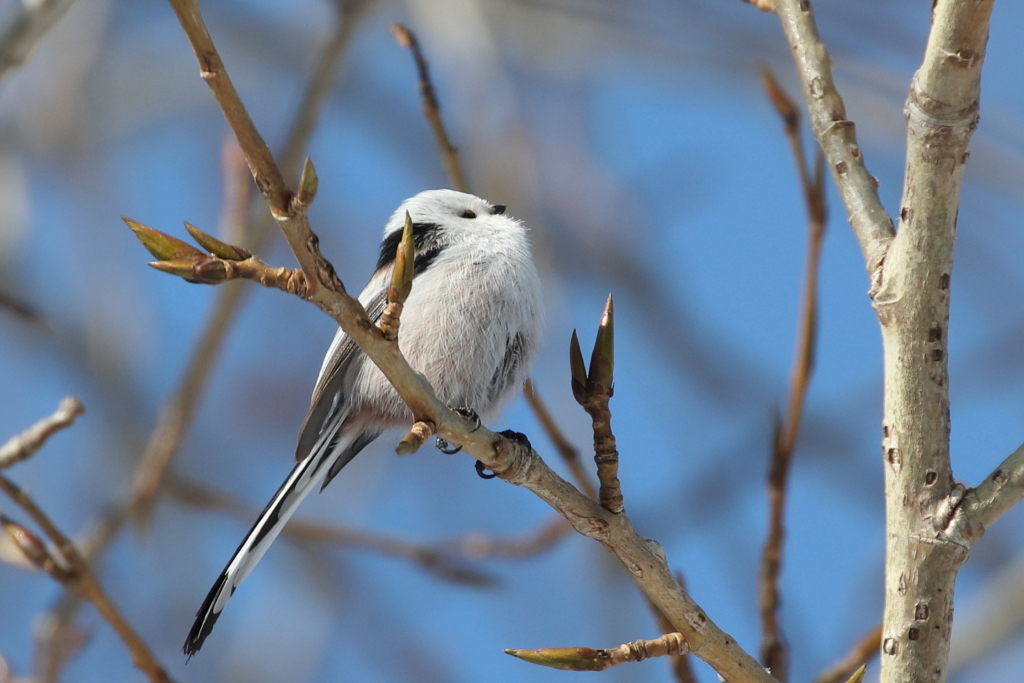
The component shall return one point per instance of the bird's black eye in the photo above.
(468, 214)
(498, 209)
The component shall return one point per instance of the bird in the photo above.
(471, 326)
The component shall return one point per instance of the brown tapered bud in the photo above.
(578, 370)
(405, 260)
(161, 245)
(602, 360)
(33, 549)
(565, 658)
(215, 246)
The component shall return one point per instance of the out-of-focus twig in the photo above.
(57, 639)
(587, 659)
(570, 454)
(23, 446)
(480, 546)
(763, 5)
(69, 568)
(435, 560)
(25, 27)
(864, 650)
(774, 654)
(21, 310)
(432, 109)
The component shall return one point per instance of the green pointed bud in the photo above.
(602, 360)
(578, 370)
(565, 658)
(858, 675)
(215, 246)
(309, 183)
(161, 245)
(183, 268)
(405, 260)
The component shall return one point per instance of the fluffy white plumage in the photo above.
(470, 326)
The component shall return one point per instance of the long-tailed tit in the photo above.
(470, 326)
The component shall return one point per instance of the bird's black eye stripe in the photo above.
(423, 234)
(498, 209)
(468, 214)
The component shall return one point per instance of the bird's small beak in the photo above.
(498, 209)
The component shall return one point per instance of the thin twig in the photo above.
(57, 639)
(22, 310)
(442, 564)
(78, 578)
(774, 654)
(480, 546)
(863, 651)
(570, 454)
(23, 446)
(836, 134)
(987, 502)
(432, 109)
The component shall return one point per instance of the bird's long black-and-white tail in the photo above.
(331, 453)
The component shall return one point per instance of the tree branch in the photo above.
(987, 502)
(643, 559)
(836, 135)
(23, 446)
(912, 303)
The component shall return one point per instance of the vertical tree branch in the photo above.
(913, 306)
(910, 281)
